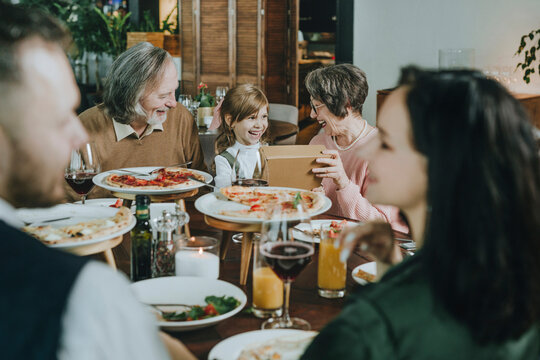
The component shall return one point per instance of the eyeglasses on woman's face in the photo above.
(315, 107)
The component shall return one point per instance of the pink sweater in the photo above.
(350, 202)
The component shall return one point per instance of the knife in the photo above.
(202, 182)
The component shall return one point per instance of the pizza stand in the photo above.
(247, 231)
(212, 206)
(156, 195)
(104, 247)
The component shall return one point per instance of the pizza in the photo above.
(261, 199)
(281, 348)
(82, 231)
(166, 178)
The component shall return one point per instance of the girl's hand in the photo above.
(319, 189)
(375, 238)
(333, 170)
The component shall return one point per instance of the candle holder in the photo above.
(197, 256)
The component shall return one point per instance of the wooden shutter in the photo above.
(281, 69)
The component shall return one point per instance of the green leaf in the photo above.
(196, 312)
(222, 304)
(297, 199)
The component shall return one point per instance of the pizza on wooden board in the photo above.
(260, 199)
(166, 178)
(82, 231)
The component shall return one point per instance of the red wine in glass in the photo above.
(287, 258)
(81, 183)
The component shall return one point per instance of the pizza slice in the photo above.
(260, 200)
(82, 231)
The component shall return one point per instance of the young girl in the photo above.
(243, 120)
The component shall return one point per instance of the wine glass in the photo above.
(221, 91)
(185, 99)
(248, 169)
(84, 164)
(287, 257)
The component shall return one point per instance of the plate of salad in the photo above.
(184, 303)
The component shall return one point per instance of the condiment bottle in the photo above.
(141, 240)
(163, 245)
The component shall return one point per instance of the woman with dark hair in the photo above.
(337, 96)
(455, 152)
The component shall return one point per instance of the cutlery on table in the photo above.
(150, 173)
(202, 182)
(47, 221)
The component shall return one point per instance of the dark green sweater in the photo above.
(398, 319)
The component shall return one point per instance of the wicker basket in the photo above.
(154, 38)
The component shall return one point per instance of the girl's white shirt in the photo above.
(249, 157)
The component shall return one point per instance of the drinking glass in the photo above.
(248, 169)
(221, 91)
(185, 100)
(332, 272)
(287, 257)
(84, 164)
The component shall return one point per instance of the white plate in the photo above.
(99, 180)
(156, 209)
(187, 290)
(316, 224)
(76, 214)
(369, 267)
(230, 348)
(213, 203)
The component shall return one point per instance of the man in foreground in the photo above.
(53, 304)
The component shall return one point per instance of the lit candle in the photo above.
(197, 263)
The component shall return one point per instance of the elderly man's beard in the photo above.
(158, 118)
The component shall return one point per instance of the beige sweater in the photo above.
(176, 144)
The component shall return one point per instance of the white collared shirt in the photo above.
(122, 131)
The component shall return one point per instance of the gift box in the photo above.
(290, 165)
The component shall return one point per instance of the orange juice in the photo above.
(332, 273)
(267, 289)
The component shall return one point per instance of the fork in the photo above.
(150, 173)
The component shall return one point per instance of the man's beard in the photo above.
(25, 187)
(157, 118)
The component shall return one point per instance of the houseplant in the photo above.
(206, 103)
(165, 37)
(529, 46)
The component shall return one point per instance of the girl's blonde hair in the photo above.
(239, 103)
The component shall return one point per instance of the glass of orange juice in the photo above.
(332, 273)
(267, 286)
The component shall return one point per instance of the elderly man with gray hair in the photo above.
(139, 122)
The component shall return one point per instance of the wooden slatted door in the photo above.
(281, 67)
(230, 42)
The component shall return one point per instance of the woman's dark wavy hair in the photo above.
(482, 239)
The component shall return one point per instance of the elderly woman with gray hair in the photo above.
(139, 122)
(337, 95)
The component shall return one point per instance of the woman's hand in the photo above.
(375, 238)
(319, 189)
(333, 170)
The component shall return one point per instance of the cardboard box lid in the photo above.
(293, 151)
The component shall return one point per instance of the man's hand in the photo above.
(334, 169)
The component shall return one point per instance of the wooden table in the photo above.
(305, 302)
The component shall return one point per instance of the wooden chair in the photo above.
(287, 113)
